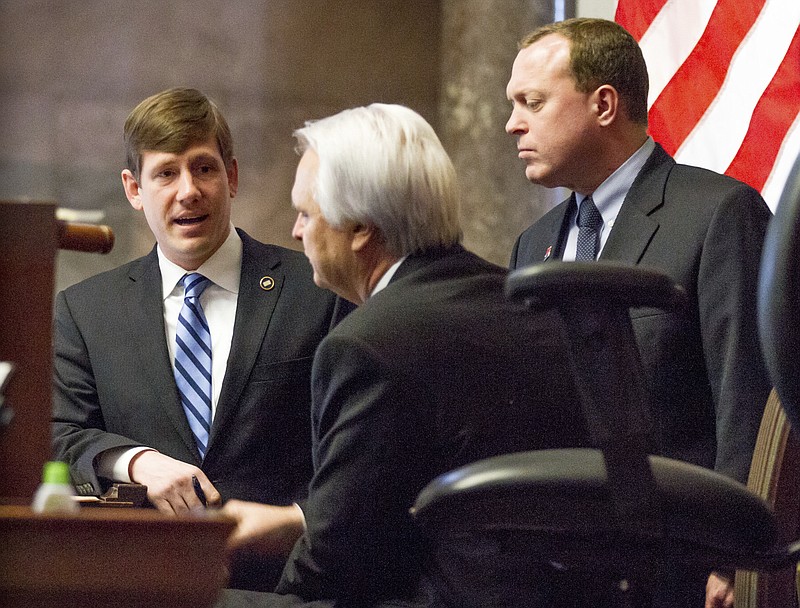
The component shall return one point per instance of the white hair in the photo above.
(383, 165)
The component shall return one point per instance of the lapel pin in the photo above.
(267, 283)
(547, 253)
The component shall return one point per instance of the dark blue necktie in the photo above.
(193, 360)
(589, 223)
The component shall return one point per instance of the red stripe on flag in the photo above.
(772, 117)
(696, 83)
(637, 15)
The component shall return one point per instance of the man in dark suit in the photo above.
(579, 96)
(435, 369)
(118, 413)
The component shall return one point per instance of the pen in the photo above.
(198, 490)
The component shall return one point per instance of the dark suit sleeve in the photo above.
(78, 428)
(727, 287)
(237, 598)
(367, 464)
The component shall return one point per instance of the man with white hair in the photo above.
(435, 369)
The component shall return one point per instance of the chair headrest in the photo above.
(613, 284)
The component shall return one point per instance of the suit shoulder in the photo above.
(545, 222)
(105, 280)
(716, 191)
(272, 255)
(694, 178)
(290, 257)
(429, 291)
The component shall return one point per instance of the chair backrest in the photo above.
(775, 471)
(775, 477)
(594, 299)
(779, 298)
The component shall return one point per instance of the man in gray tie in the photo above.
(578, 90)
(121, 340)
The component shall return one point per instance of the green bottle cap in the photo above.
(56, 472)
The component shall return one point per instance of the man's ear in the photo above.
(131, 187)
(233, 177)
(362, 235)
(607, 104)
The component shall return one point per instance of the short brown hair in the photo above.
(602, 52)
(173, 120)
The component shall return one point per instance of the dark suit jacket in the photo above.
(709, 385)
(435, 371)
(114, 383)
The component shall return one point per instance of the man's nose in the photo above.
(297, 229)
(187, 187)
(515, 126)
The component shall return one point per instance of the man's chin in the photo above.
(319, 282)
(539, 178)
(532, 175)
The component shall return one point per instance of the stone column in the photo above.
(479, 43)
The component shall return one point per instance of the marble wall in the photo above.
(71, 71)
(479, 43)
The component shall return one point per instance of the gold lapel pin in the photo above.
(267, 283)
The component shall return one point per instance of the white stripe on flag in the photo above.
(713, 143)
(670, 38)
(790, 150)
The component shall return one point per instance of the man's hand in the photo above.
(169, 483)
(719, 591)
(264, 529)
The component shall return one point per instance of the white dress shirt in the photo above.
(387, 276)
(219, 305)
(608, 198)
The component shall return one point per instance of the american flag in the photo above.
(724, 83)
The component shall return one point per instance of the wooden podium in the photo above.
(99, 557)
(28, 245)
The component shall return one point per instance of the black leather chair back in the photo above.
(779, 298)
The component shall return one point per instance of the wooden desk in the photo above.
(104, 558)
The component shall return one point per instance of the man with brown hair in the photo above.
(579, 113)
(138, 395)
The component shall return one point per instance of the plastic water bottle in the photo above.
(54, 495)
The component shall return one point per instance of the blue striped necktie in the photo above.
(193, 360)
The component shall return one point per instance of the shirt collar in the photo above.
(609, 196)
(387, 276)
(223, 268)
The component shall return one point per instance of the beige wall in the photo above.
(604, 9)
(71, 71)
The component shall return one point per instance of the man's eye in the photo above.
(166, 173)
(205, 169)
(533, 104)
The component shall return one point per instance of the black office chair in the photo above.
(614, 508)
